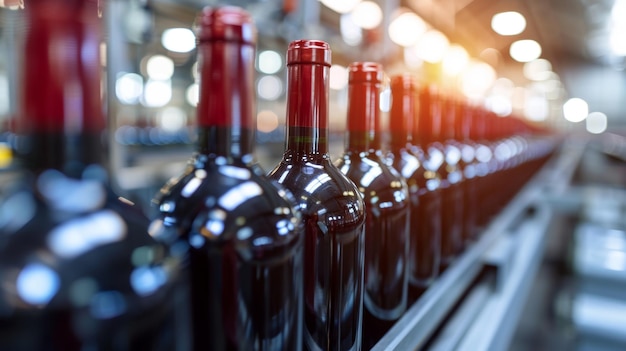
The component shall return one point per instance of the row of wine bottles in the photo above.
(316, 254)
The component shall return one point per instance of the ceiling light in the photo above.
(406, 29)
(508, 23)
(575, 110)
(596, 122)
(266, 121)
(536, 107)
(351, 33)
(12, 4)
(525, 50)
(539, 69)
(270, 62)
(338, 77)
(618, 11)
(172, 119)
(412, 59)
(367, 15)
(270, 88)
(477, 79)
(157, 93)
(129, 88)
(432, 46)
(616, 39)
(178, 39)
(503, 87)
(500, 105)
(455, 59)
(160, 67)
(193, 94)
(340, 6)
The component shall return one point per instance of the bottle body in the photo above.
(425, 195)
(437, 160)
(243, 255)
(333, 217)
(386, 265)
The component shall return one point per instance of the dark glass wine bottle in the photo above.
(79, 270)
(463, 125)
(386, 203)
(485, 166)
(424, 184)
(331, 205)
(430, 137)
(238, 232)
(454, 173)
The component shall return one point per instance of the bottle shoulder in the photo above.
(379, 183)
(406, 163)
(225, 203)
(322, 191)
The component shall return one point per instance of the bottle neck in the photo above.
(478, 131)
(430, 119)
(363, 124)
(61, 123)
(229, 142)
(307, 108)
(227, 102)
(463, 122)
(448, 118)
(401, 119)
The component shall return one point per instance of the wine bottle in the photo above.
(79, 270)
(454, 166)
(463, 125)
(424, 184)
(486, 166)
(331, 206)
(386, 203)
(237, 231)
(429, 138)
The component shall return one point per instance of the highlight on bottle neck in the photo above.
(226, 48)
(61, 68)
(403, 109)
(364, 86)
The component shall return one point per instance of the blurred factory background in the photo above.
(558, 63)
